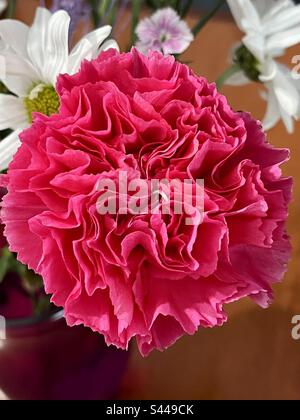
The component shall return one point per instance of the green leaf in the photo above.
(136, 10)
(42, 305)
(32, 283)
(112, 15)
(5, 263)
(103, 8)
(235, 68)
(3, 88)
(95, 13)
(160, 4)
(11, 8)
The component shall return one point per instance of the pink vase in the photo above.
(47, 360)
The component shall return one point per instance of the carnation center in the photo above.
(163, 37)
(42, 98)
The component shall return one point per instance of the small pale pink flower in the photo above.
(164, 31)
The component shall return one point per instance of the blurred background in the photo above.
(254, 355)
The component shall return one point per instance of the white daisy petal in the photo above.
(57, 47)
(98, 36)
(12, 112)
(244, 13)
(283, 21)
(42, 51)
(37, 39)
(273, 115)
(8, 148)
(18, 85)
(267, 9)
(288, 121)
(272, 8)
(283, 40)
(110, 44)
(287, 95)
(20, 75)
(14, 35)
(255, 43)
(237, 12)
(270, 30)
(88, 47)
(83, 49)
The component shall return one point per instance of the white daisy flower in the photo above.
(34, 57)
(271, 26)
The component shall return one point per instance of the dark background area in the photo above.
(208, 3)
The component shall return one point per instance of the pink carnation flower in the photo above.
(147, 276)
(165, 32)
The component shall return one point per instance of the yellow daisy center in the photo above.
(42, 98)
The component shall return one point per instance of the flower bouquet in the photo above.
(136, 200)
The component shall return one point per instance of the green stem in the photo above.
(95, 13)
(11, 8)
(151, 4)
(177, 6)
(136, 10)
(104, 7)
(235, 68)
(205, 19)
(112, 16)
(186, 8)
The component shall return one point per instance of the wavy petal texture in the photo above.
(146, 276)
